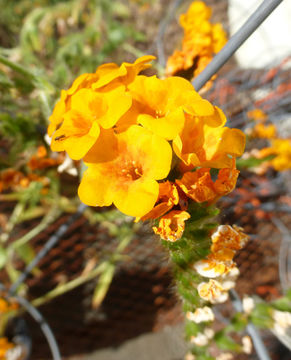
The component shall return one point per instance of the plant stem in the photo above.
(12, 221)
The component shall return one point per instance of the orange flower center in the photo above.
(130, 170)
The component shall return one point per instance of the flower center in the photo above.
(131, 171)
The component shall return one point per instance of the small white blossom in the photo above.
(189, 356)
(248, 304)
(199, 340)
(225, 356)
(282, 321)
(247, 344)
(68, 166)
(201, 315)
(202, 339)
(212, 291)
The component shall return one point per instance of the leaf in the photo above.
(3, 257)
(103, 285)
(225, 342)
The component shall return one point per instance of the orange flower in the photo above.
(208, 145)
(10, 178)
(161, 103)
(199, 186)
(228, 237)
(168, 197)
(257, 114)
(264, 131)
(5, 345)
(106, 78)
(201, 41)
(40, 161)
(88, 111)
(6, 306)
(129, 179)
(171, 226)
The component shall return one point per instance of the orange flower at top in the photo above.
(161, 103)
(201, 41)
(129, 179)
(106, 78)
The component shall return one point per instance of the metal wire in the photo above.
(254, 21)
(47, 247)
(37, 316)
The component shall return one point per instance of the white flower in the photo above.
(189, 356)
(199, 340)
(211, 268)
(282, 321)
(201, 315)
(212, 291)
(225, 356)
(247, 344)
(248, 304)
(202, 339)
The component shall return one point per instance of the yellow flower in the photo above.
(106, 78)
(161, 103)
(88, 111)
(171, 226)
(201, 41)
(264, 131)
(257, 114)
(129, 179)
(208, 145)
(282, 149)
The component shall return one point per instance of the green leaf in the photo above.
(103, 285)
(3, 257)
(225, 342)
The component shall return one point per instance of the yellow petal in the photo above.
(167, 127)
(154, 152)
(95, 187)
(104, 149)
(138, 198)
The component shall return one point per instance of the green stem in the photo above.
(16, 67)
(60, 290)
(52, 215)
(19, 208)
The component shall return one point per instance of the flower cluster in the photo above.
(201, 41)
(15, 179)
(219, 264)
(134, 133)
(279, 149)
